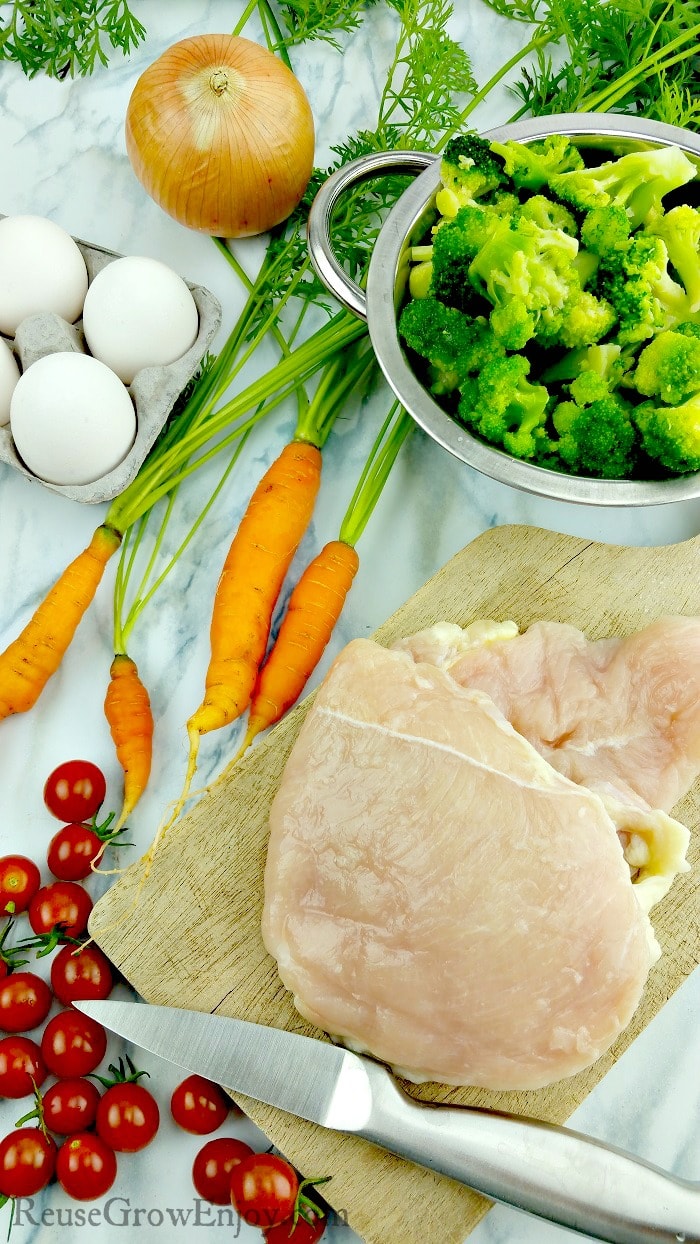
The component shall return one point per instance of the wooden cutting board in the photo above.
(194, 938)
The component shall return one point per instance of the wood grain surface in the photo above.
(201, 904)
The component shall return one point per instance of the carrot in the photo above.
(261, 553)
(128, 712)
(277, 516)
(30, 660)
(319, 596)
(313, 610)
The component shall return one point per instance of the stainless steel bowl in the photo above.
(387, 279)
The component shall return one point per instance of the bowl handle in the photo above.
(321, 253)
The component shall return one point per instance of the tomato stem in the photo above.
(37, 1113)
(305, 1203)
(47, 941)
(125, 1073)
(8, 954)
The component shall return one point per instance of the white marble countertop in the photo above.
(62, 154)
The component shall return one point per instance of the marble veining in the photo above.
(62, 154)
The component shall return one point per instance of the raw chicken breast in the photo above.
(621, 716)
(437, 894)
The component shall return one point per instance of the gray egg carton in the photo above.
(154, 390)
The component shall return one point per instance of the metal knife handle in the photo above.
(552, 1172)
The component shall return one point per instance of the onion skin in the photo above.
(220, 134)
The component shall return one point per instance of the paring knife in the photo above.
(552, 1172)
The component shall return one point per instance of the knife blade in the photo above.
(551, 1172)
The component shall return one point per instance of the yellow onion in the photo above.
(221, 134)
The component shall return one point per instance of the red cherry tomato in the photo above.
(74, 790)
(80, 972)
(27, 1161)
(70, 1106)
(199, 1106)
(85, 1166)
(72, 850)
(127, 1117)
(22, 1066)
(19, 881)
(264, 1189)
(73, 1044)
(306, 1231)
(25, 1001)
(63, 903)
(212, 1167)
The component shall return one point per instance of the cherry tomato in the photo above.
(25, 1001)
(199, 1106)
(80, 972)
(22, 1066)
(27, 1161)
(85, 1166)
(19, 881)
(70, 1106)
(212, 1167)
(63, 903)
(306, 1231)
(74, 790)
(73, 1044)
(72, 850)
(264, 1189)
(127, 1117)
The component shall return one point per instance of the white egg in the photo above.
(41, 269)
(71, 418)
(9, 375)
(138, 313)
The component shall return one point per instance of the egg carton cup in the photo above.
(154, 390)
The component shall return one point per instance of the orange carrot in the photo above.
(30, 660)
(318, 598)
(128, 712)
(259, 557)
(313, 610)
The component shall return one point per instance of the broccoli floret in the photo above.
(453, 344)
(546, 213)
(588, 387)
(638, 311)
(680, 230)
(671, 434)
(526, 274)
(473, 225)
(468, 169)
(532, 165)
(598, 439)
(564, 416)
(637, 182)
(637, 283)
(584, 320)
(455, 243)
(605, 230)
(689, 329)
(503, 407)
(504, 203)
(603, 361)
(669, 367)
